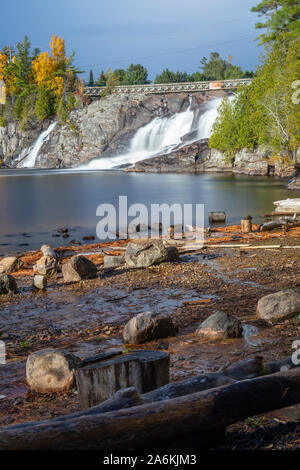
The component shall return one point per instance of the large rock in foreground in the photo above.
(220, 325)
(49, 371)
(39, 282)
(148, 326)
(146, 253)
(278, 306)
(46, 266)
(47, 250)
(8, 284)
(79, 268)
(10, 264)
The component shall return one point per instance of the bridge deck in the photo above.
(188, 87)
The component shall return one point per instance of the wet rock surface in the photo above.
(39, 282)
(148, 326)
(220, 325)
(50, 371)
(78, 269)
(8, 284)
(88, 318)
(46, 266)
(113, 261)
(279, 306)
(10, 264)
(145, 253)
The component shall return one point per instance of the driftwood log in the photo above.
(99, 379)
(159, 422)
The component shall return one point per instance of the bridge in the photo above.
(187, 87)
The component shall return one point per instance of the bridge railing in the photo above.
(173, 87)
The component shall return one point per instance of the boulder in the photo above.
(79, 268)
(146, 253)
(8, 284)
(39, 282)
(47, 250)
(49, 370)
(220, 325)
(46, 265)
(278, 306)
(173, 254)
(113, 261)
(148, 326)
(10, 264)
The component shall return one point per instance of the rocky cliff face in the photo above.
(105, 128)
(198, 157)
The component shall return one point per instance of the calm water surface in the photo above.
(34, 204)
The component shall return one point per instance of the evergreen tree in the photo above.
(91, 80)
(45, 103)
(282, 17)
(101, 81)
(136, 74)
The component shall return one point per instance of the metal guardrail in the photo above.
(172, 87)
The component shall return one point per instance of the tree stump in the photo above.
(144, 370)
(246, 225)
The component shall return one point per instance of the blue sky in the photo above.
(159, 34)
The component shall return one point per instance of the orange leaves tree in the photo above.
(3, 64)
(37, 82)
(52, 74)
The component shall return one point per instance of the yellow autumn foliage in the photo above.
(3, 63)
(45, 66)
(58, 51)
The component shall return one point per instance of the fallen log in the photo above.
(160, 422)
(122, 399)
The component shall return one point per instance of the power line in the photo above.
(166, 53)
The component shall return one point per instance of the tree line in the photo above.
(267, 112)
(214, 68)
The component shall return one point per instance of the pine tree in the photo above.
(282, 17)
(91, 81)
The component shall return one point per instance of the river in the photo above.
(35, 203)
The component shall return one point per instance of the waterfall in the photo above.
(162, 135)
(28, 157)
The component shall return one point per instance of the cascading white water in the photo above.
(29, 161)
(161, 136)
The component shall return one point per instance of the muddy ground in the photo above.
(87, 318)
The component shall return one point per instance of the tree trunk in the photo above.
(145, 370)
(160, 423)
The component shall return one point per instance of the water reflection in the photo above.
(41, 201)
